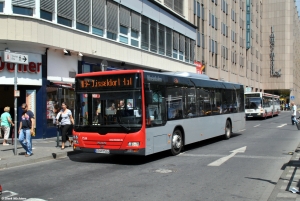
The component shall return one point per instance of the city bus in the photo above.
(140, 112)
(262, 105)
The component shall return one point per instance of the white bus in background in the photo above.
(262, 105)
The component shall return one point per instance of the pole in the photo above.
(16, 102)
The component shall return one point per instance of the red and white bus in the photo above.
(263, 105)
(141, 112)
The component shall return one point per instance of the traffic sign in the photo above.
(292, 97)
(15, 58)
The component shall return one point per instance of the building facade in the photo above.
(252, 42)
(66, 37)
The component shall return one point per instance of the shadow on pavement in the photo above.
(266, 180)
(78, 156)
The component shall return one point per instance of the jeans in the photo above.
(294, 120)
(25, 140)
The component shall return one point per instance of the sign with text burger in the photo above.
(30, 74)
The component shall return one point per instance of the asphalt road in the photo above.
(248, 175)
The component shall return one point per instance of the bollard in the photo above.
(57, 140)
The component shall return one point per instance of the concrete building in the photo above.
(252, 42)
(66, 37)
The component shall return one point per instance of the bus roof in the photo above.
(263, 94)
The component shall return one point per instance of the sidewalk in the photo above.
(43, 149)
(290, 178)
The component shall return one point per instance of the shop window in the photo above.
(86, 68)
(55, 96)
(111, 35)
(1, 7)
(22, 11)
(64, 21)
(97, 31)
(82, 27)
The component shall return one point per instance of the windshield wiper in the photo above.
(118, 121)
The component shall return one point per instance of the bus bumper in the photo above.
(255, 115)
(140, 152)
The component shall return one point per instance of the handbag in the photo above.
(59, 118)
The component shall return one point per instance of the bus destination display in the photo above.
(97, 82)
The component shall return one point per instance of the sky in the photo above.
(298, 6)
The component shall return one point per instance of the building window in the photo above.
(145, 33)
(176, 5)
(161, 39)
(64, 21)
(153, 36)
(123, 39)
(134, 38)
(168, 42)
(134, 43)
(82, 27)
(111, 35)
(97, 31)
(124, 31)
(46, 15)
(1, 7)
(22, 11)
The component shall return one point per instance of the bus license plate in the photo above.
(249, 110)
(102, 151)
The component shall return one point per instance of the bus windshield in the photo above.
(253, 103)
(116, 111)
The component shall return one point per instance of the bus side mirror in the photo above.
(148, 95)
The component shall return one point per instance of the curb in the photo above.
(35, 160)
(290, 165)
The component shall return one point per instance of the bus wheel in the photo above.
(177, 142)
(228, 130)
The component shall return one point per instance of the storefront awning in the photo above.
(66, 80)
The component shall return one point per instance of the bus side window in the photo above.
(156, 110)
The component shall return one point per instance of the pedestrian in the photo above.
(6, 122)
(65, 118)
(26, 129)
(294, 113)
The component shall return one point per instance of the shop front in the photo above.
(61, 72)
(29, 81)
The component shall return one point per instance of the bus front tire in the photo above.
(228, 130)
(176, 142)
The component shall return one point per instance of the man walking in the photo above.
(26, 129)
(294, 113)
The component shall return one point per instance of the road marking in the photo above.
(281, 125)
(257, 125)
(237, 156)
(241, 130)
(224, 159)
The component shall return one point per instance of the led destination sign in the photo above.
(102, 82)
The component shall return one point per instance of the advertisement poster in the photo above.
(31, 102)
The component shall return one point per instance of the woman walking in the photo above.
(6, 122)
(64, 117)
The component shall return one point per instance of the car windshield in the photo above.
(253, 103)
(109, 111)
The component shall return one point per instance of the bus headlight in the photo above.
(75, 137)
(133, 144)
